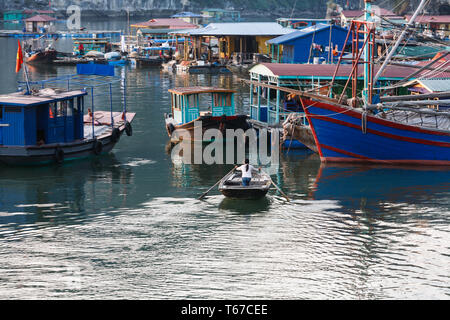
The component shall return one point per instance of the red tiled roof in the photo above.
(352, 13)
(171, 23)
(40, 18)
(431, 19)
(327, 70)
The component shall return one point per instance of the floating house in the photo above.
(20, 15)
(39, 23)
(378, 14)
(189, 17)
(433, 23)
(170, 23)
(244, 39)
(221, 15)
(14, 16)
(429, 86)
(272, 106)
(92, 44)
(213, 107)
(300, 23)
(318, 43)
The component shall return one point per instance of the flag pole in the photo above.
(25, 69)
(26, 79)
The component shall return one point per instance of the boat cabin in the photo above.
(190, 103)
(46, 117)
(91, 44)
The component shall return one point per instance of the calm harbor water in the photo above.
(128, 225)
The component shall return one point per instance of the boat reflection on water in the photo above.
(61, 195)
(383, 189)
(245, 206)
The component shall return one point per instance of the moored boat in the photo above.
(392, 130)
(48, 125)
(231, 186)
(188, 109)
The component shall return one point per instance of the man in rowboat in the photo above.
(247, 169)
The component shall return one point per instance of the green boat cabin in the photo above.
(190, 103)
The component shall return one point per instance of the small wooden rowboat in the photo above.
(231, 186)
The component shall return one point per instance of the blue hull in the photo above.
(339, 136)
(293, 144)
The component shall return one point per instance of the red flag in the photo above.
(19, 59)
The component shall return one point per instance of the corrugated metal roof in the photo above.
(303, 32)
(19, 99)
(196, 90)
(431, 19)
(436, 85)
(242, 29)
(327, 70)
(171, 23)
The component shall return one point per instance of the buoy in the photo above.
(98, 147)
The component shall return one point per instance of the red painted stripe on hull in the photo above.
(391, 162)
(373, 119)
(384, 134)
(347, 153)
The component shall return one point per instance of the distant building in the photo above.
(243, 39)
(20, 15)
(300, 23)
(163, 24)
(189, 17)
(39, 23)
(13, 16)
(221, 15)
(435, 24)
(378, 15)
(322, 42)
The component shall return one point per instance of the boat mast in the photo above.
(400, 39)
(368, 49)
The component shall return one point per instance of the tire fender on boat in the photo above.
(59, 155)
(128, 129)
(170, 128)
(115, 135)
(98, 147)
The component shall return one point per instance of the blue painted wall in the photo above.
(298, 50)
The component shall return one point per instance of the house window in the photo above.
(61, 108)
(70, 108)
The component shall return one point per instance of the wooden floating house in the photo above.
(46, 123)
(39, 23)
(228, 41)
(214, 107)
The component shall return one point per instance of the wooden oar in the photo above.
(278, 188)
(204, 195)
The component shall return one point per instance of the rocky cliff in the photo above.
(304, 8)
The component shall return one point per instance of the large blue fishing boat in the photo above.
(46, 123)
(411, 129)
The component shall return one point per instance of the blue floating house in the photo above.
(47, 122)
(315, 44)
